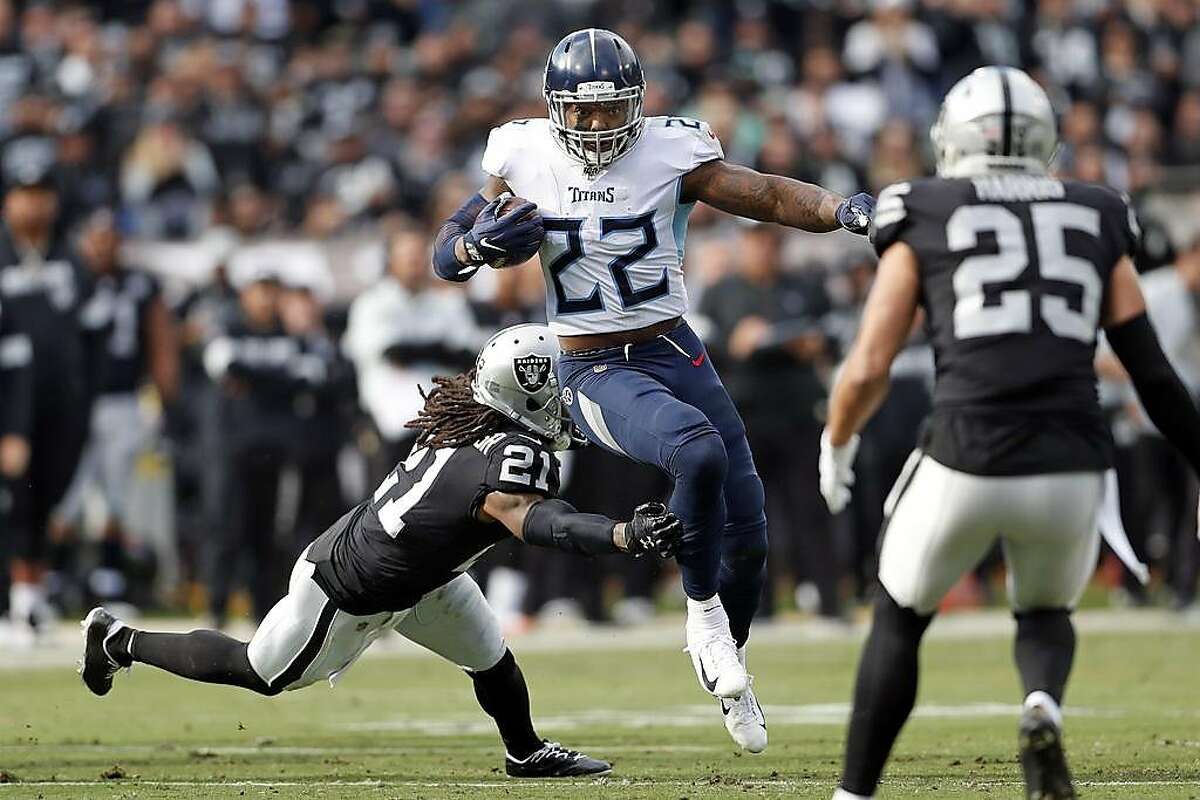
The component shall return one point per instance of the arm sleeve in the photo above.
(555, 523)
(445, 263)
(1162, 393)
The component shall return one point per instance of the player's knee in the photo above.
(746, 501)
(701, 460)
(897, 619)
(745, 546)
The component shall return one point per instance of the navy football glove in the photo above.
(653, 529)
(511, 238)
(854, 214)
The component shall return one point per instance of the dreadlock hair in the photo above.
(451, 417)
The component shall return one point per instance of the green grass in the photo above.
(1136, 733)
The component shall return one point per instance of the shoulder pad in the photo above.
(696, 142)
(505, 141)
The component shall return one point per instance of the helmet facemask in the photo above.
(596, 150)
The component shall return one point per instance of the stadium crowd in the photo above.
(229, 205)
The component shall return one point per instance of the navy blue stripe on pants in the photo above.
(661, 402)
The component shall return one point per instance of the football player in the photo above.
(1016, 272)
(612, 191)
(483, 468)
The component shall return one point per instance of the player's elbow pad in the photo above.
(445, 263)
(556, 523)
(1167, 401)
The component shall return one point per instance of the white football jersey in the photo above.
(613, 253)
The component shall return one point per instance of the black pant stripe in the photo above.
(908, 479)
(311, 649)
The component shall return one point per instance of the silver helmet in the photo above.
(514, 375)
(995, 120)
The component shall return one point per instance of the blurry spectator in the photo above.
(137, 341)
(234, 123)
(167, 180)
(894, 156)
(901, 53)
(768, 343)
(42, 289)
(253, 363)
(402, 331)
(356, 186)
(319, 414)
(85, 178)
(1159, 493)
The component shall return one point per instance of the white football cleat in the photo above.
(714, 655)
(745, 721)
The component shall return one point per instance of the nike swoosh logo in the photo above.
(698, 360)
(472, 269)
(710, 685)
(725, 709)
(483, 242)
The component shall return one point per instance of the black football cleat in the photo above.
(555, 761)
(98, 667)
(1042, 757)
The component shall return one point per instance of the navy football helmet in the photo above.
(595, 66)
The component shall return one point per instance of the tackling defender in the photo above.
(1016, 272)
(610, 194)
(482, 468)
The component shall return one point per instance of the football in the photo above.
(508, 203)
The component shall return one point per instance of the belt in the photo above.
(604, 341)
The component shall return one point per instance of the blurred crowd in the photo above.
(216, 305)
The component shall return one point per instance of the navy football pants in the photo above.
(661, 402)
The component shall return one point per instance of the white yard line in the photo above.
(665, 633)
(555, 786)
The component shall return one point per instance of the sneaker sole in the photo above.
(600, 774)
(90, 628)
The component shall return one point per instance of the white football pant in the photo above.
(941, 523)
(304, 638)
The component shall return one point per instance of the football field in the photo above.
(403, 725)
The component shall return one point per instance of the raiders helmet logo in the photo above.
(532, 372)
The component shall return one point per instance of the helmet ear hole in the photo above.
(531, 405)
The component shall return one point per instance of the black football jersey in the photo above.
(119, 306)
(419, 529)
(1014, 271)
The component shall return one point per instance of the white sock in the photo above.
(1040, 698)
(842, 794)
(23, 600)
(707, 614)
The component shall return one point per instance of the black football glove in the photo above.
(653, 529)
(497, 241)
(855, 213)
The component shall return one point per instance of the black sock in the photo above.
(1044, 650)
(203, 655)
(502, 693)
(884, 693)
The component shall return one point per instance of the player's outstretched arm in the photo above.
(772, 198)
(1167, 401)
(556, 523)
(862, 382)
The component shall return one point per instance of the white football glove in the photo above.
(836, 466)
